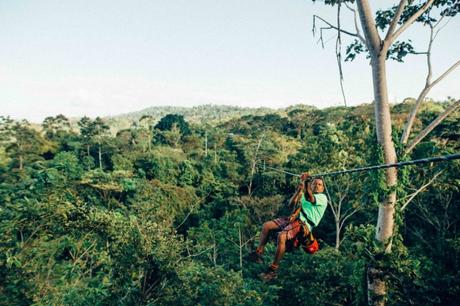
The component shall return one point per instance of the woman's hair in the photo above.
(319, 178)
(316, 178)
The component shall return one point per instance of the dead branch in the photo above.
(331, 26)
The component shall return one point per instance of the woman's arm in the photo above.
(297, 195)
(308, 192)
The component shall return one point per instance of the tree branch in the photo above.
(194, 255)
(409, 21)
(432, 125)
(330, 202)
(355, 19)
(83, 254)
(192, 209)
(420, 190)
(331, 26)
(368, 25)
(349, 215)
(338, 54)
(428, 84)
(427, 216)
(396, 18)
(253, 166)
(321, 35)
(421, 238)
(442, 76)
(341, 199)
(334, 212)
(437, 24)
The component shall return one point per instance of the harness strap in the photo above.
(304, 214)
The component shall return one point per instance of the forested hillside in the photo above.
(212, 114)
(165, 211)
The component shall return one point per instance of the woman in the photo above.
(313, 204)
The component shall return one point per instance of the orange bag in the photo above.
(312, 247)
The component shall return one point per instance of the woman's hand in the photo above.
(293, 217)
(304, 176)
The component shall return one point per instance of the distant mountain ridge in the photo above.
(209, 113)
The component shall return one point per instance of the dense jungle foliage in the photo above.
(165, 211)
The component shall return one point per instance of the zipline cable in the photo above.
(376, 167)
(282, 171)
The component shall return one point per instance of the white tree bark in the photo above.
(385, 222)
(100, 156)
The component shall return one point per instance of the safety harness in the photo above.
(307, 241)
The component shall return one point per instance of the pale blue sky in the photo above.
(104, 57)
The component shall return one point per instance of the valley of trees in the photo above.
(164, 210)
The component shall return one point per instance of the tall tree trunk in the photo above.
(21, 162)
(385, 223)
(100, 156)
(206, 143)
(253, 165)
(376, 286)
(378, 50)
(150, 143)
(337, 234)
(240, 248)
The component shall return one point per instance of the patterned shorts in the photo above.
(292, 229)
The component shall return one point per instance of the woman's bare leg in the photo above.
(281, 248)
(266, 228)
